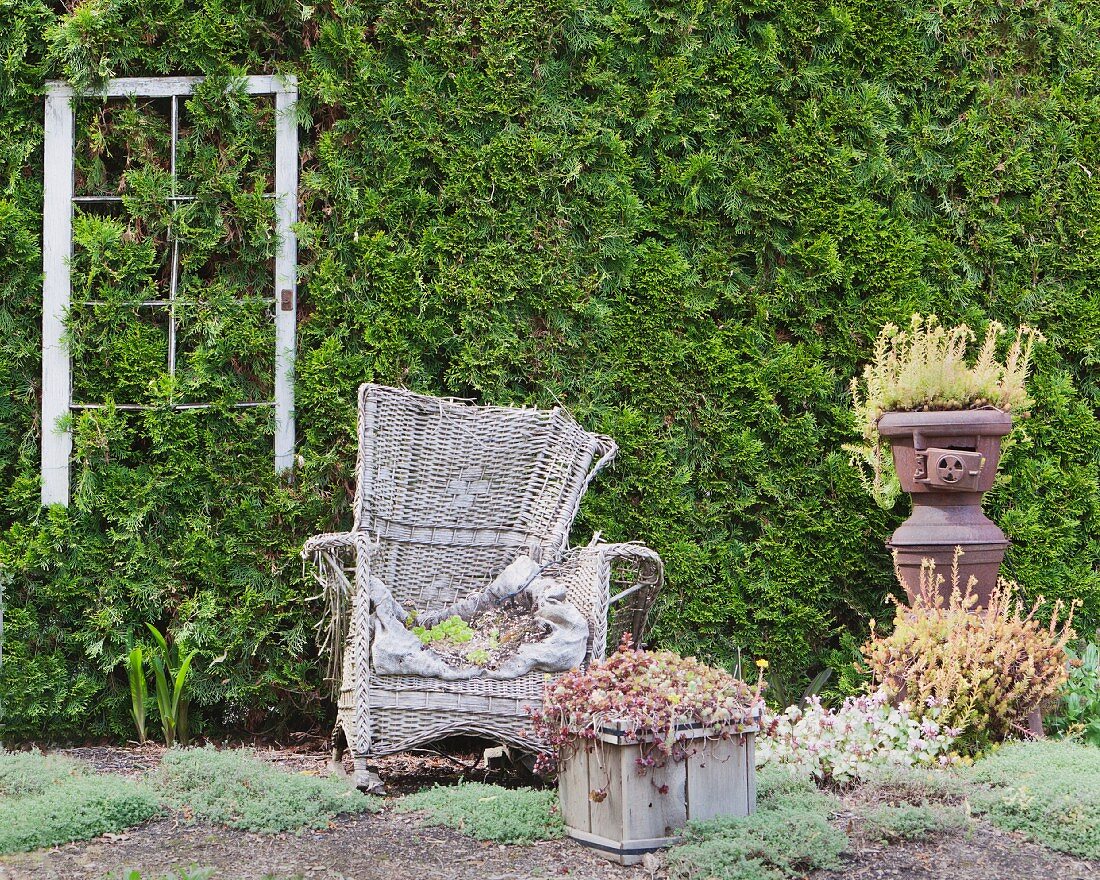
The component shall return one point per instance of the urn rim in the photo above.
(989, 422)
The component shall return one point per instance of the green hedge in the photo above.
(684, 221)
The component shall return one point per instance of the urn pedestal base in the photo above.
(940, 527)
(946, 461)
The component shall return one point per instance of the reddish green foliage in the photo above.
(660, 697)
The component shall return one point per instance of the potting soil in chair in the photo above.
(520, 623)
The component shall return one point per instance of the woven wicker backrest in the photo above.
(454, 492)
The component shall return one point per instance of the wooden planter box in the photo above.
(645, 811)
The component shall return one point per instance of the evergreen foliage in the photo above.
(687, 222)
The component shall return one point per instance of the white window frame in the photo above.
(57, 249)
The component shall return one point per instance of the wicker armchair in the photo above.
(448, 495)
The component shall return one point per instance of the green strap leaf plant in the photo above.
(135, 668)
(170, 676)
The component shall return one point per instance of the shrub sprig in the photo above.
(982, 672)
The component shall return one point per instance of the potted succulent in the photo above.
(644, 741)
(943, 417)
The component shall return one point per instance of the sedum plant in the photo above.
(863, 736)
(929, 367)
(914, 821)
(656, 694)
(47, 800)
(489, 812)
(980, 672)
(233, 787)
(454, 630)
(926, 368)
(789, 835)
(1048, 790)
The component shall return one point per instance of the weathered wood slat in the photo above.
(605, 766)
(625, 853)
(167, 86)
(750, 761)
(57, 226)
(286, 271)
(645, 811)
(717, 781)
(574, 790)
(654, 804)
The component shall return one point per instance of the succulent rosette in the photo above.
(654, 697)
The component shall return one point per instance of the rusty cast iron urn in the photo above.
(946, 461)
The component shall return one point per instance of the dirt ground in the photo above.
(385, 846)
(393, 845)
(984, 853)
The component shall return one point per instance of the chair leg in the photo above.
(364, 779)
(336, 763)
(367, 780)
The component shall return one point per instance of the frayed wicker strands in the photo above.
(449, 494)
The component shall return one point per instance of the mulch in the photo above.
(985, 853)
(384, 846)
(390, 845)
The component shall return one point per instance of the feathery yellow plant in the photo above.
(986, 669)
(925, 368)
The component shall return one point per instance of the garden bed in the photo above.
(390, 845)
(394, 843)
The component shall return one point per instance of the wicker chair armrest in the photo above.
(630, 577)
(329, 541)
(341, 567)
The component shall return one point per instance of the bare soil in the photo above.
(394, 845)
(982, 853)
(499, 632)
(384, 846)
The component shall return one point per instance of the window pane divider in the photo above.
(163, 303)
(115, 198)
(131, 407)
